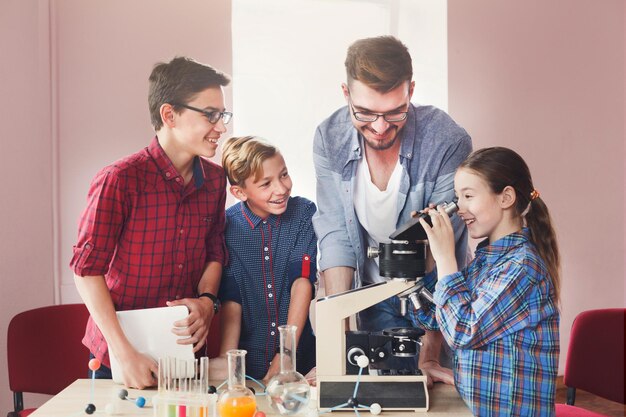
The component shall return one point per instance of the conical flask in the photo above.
(237, 400)
(288, 392)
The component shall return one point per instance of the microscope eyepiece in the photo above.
(449, 208)
(405, 255)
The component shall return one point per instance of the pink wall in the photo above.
(26, 246)
(547, 79)
(104, 56)
(73, 79)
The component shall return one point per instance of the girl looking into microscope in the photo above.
(500, 313)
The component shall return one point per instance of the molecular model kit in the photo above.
(184, 391)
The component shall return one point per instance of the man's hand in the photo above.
(196, 325)
(436, 373)
(138, 370)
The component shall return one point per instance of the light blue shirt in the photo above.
(432, 148)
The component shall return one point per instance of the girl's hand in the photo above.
(441, 241)
(436, 373)
(431, 206)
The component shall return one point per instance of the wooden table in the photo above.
(71, 402)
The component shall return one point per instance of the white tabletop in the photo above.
(72, 401)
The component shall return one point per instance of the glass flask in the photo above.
(237, 400)
(288, 392)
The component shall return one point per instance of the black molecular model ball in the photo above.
(90, 409)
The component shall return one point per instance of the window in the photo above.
(288, 65)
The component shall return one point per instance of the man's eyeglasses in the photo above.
(366, 116)
(212, 116)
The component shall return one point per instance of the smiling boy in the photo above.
(272, 251)
(152, 233)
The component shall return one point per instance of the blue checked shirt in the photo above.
(265, 257)
(501, 319)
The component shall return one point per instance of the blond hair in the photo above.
(243, 157)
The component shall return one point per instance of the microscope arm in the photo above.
(331, 312)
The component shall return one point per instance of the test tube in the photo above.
(204, 375)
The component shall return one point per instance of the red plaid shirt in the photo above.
(149, 234)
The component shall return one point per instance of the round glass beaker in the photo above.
(288, 392)
(237, 400)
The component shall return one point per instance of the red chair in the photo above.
(595, 359)
(44, 351)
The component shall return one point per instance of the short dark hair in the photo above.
(177, 82)
(381, 63)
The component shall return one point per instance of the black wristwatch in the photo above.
(213, 297)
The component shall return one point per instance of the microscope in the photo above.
(403, 261)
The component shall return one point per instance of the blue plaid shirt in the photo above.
(501, 319)
(265, 257)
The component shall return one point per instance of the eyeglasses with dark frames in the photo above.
(390, 117)
(212, 116)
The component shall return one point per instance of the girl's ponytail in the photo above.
(543, 236)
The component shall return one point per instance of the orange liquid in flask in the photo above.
(237, 407)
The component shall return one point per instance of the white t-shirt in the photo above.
(376, 211)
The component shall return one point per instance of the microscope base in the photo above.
(397, 393)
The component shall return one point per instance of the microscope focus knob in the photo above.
(363, 361)
(354, 353)
(373, 252)
(379, 354)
